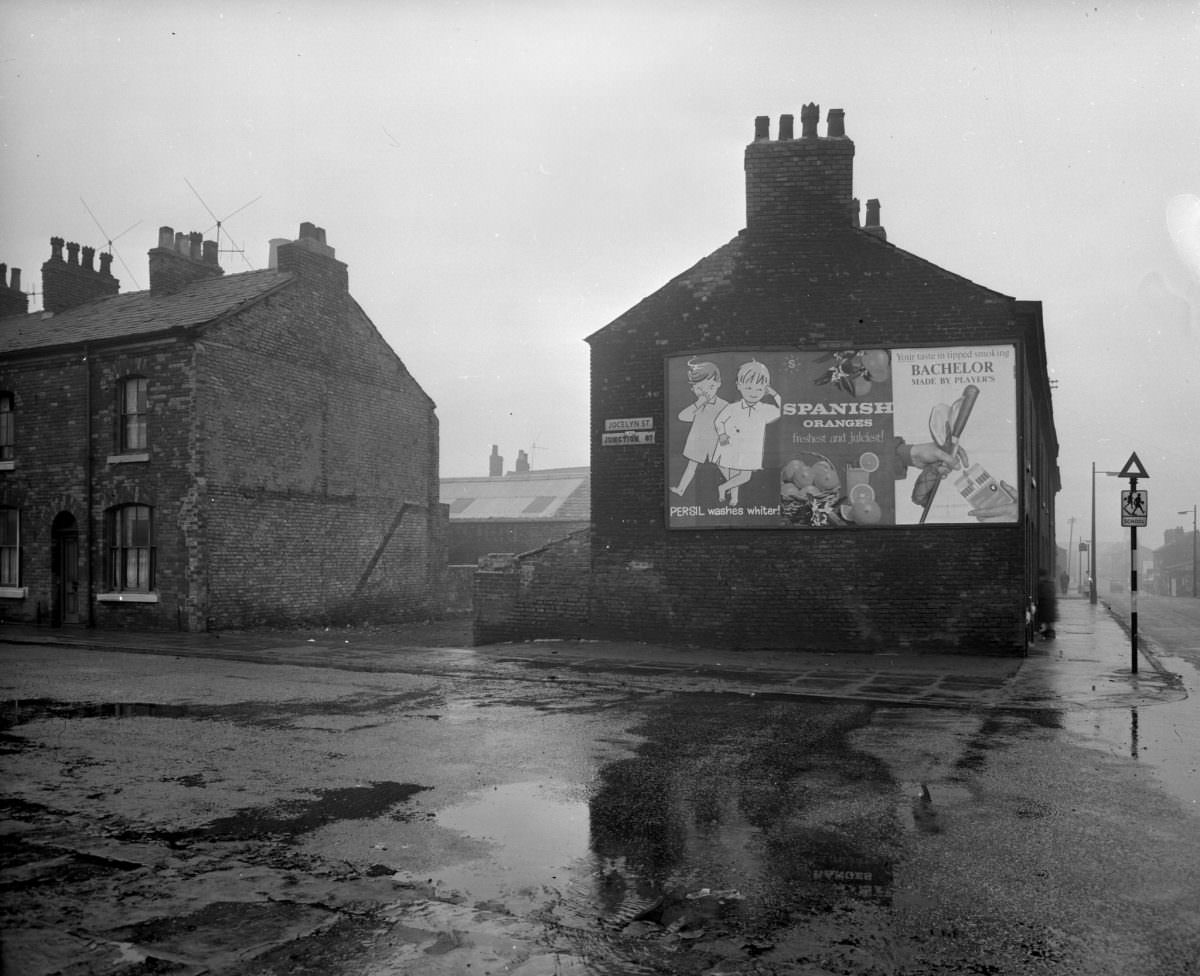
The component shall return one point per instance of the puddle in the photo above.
(20, 712)
(334, 715)
(536, 832)
(302, 816)
(1163, 736)
(771, 811)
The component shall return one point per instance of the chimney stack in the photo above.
(800, 187)
(181, 259)
(313, 261)
(66, 284)
(522, 462)
(495, 463)
(13, 301)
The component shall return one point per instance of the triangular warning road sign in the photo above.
(1133, 468)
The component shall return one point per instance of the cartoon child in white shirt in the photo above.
(705, 379)
(742, 427)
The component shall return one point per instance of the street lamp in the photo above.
(1184, 512)
(1092, 555)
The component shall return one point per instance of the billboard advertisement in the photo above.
(854, 438)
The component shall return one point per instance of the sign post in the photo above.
(1135, 511)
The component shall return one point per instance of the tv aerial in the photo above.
(235, 248)
(112, 240)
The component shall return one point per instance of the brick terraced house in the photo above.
(218, 451)
(812, 439)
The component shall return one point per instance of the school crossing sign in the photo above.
(1135, 509)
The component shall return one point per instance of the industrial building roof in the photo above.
(555, 494)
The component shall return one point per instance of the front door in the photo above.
(65, 570)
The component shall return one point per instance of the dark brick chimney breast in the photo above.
(68, 283)
(800, 187)
(13, 301)
(181, 259)
(312, 260)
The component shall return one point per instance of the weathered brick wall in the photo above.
(471, 539)
(542, 593)
(319, 463)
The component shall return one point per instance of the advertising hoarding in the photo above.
(801, 439)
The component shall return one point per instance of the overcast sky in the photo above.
(504, 179)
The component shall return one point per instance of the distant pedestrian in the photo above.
(1064, 581)
(1047, 605)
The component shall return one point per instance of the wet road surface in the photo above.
(166, 814)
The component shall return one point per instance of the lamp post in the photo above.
(1184, 512)
(1092, 554)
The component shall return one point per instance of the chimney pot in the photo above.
(837, 123)
(72, 253)
(762, 128)
(786, 123)
(16, 279)
(211, 249)
(873, 226)
(166, 237)
(810, 114)
(181, 245)
(195, 245)
(89, 257)
(56, 248)
(308, 230)
(106, 263)
(495, 463)
(273, 251)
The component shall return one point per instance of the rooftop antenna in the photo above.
(221, 220)
(112, 240)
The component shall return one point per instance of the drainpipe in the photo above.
(89, 474)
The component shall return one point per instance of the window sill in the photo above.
(8, 465)
(13, 592)
(127, 597)
(131, 458)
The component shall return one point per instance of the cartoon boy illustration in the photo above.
(742, 428)
(705, 379)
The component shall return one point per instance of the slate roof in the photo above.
(552, 495)
(138, 313)
(849, 268)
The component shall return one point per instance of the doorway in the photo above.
(64, 570)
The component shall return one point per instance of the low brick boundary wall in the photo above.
(536, 594)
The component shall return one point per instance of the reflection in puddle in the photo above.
(536, 832)
(1162, 736)
(772, 812)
